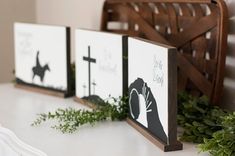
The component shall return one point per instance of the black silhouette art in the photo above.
(84, 89)
(39, 70)
(94, 84)
(95, 99)
(143, 108)
(89, 60)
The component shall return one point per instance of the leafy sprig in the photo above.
(198, 118)
(209, 125)
(222, 142)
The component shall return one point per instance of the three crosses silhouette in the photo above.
(84, 87)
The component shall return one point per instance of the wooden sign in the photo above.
(42, 58)
(100, 66)
(152, 83)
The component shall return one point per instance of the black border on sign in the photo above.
(125, 65)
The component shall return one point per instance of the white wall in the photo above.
(11, 11)
(73, 13)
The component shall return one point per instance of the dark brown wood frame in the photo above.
(50, 91)
(173, 144)
(200, 36)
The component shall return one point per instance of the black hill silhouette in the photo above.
(39, 70)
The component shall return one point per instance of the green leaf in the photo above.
(69, 119)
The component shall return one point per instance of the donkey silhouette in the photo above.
(39, 70)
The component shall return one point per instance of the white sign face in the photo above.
(148, 86)
(99, 58)
(41, 55)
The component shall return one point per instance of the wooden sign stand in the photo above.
(85, 102)
(42, 90)
(164, 147)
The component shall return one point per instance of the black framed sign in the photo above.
(101, 70)
(152, 82)
(42, 58)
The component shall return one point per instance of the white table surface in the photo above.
(18, 108)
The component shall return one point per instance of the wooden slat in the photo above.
(149, 31)
(162, 25)
(146, 12)
(182, 81)
(104, 18)
(185, 10)
(223, 32)
(187, 15)
(129, 32)
(161, 8)
(183, 21)
(204, 66)
(203, 25)
(131, 23)
(199, 12)
(195, 76)
(199, 44)
(172, 19)
(211, 47)
(160, 1)
(114, 16)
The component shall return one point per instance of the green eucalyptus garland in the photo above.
(222, 142)
(209, 125)
(198, 118)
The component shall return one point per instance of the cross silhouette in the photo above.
(89, 60)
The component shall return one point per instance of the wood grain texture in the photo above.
(85, 103)
(165, 147)
(162, 1)
(197, 28)
(172, 96)
(41, 90)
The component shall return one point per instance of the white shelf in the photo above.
(11, 145)
(18, 108)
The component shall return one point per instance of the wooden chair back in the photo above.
(198, 28)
